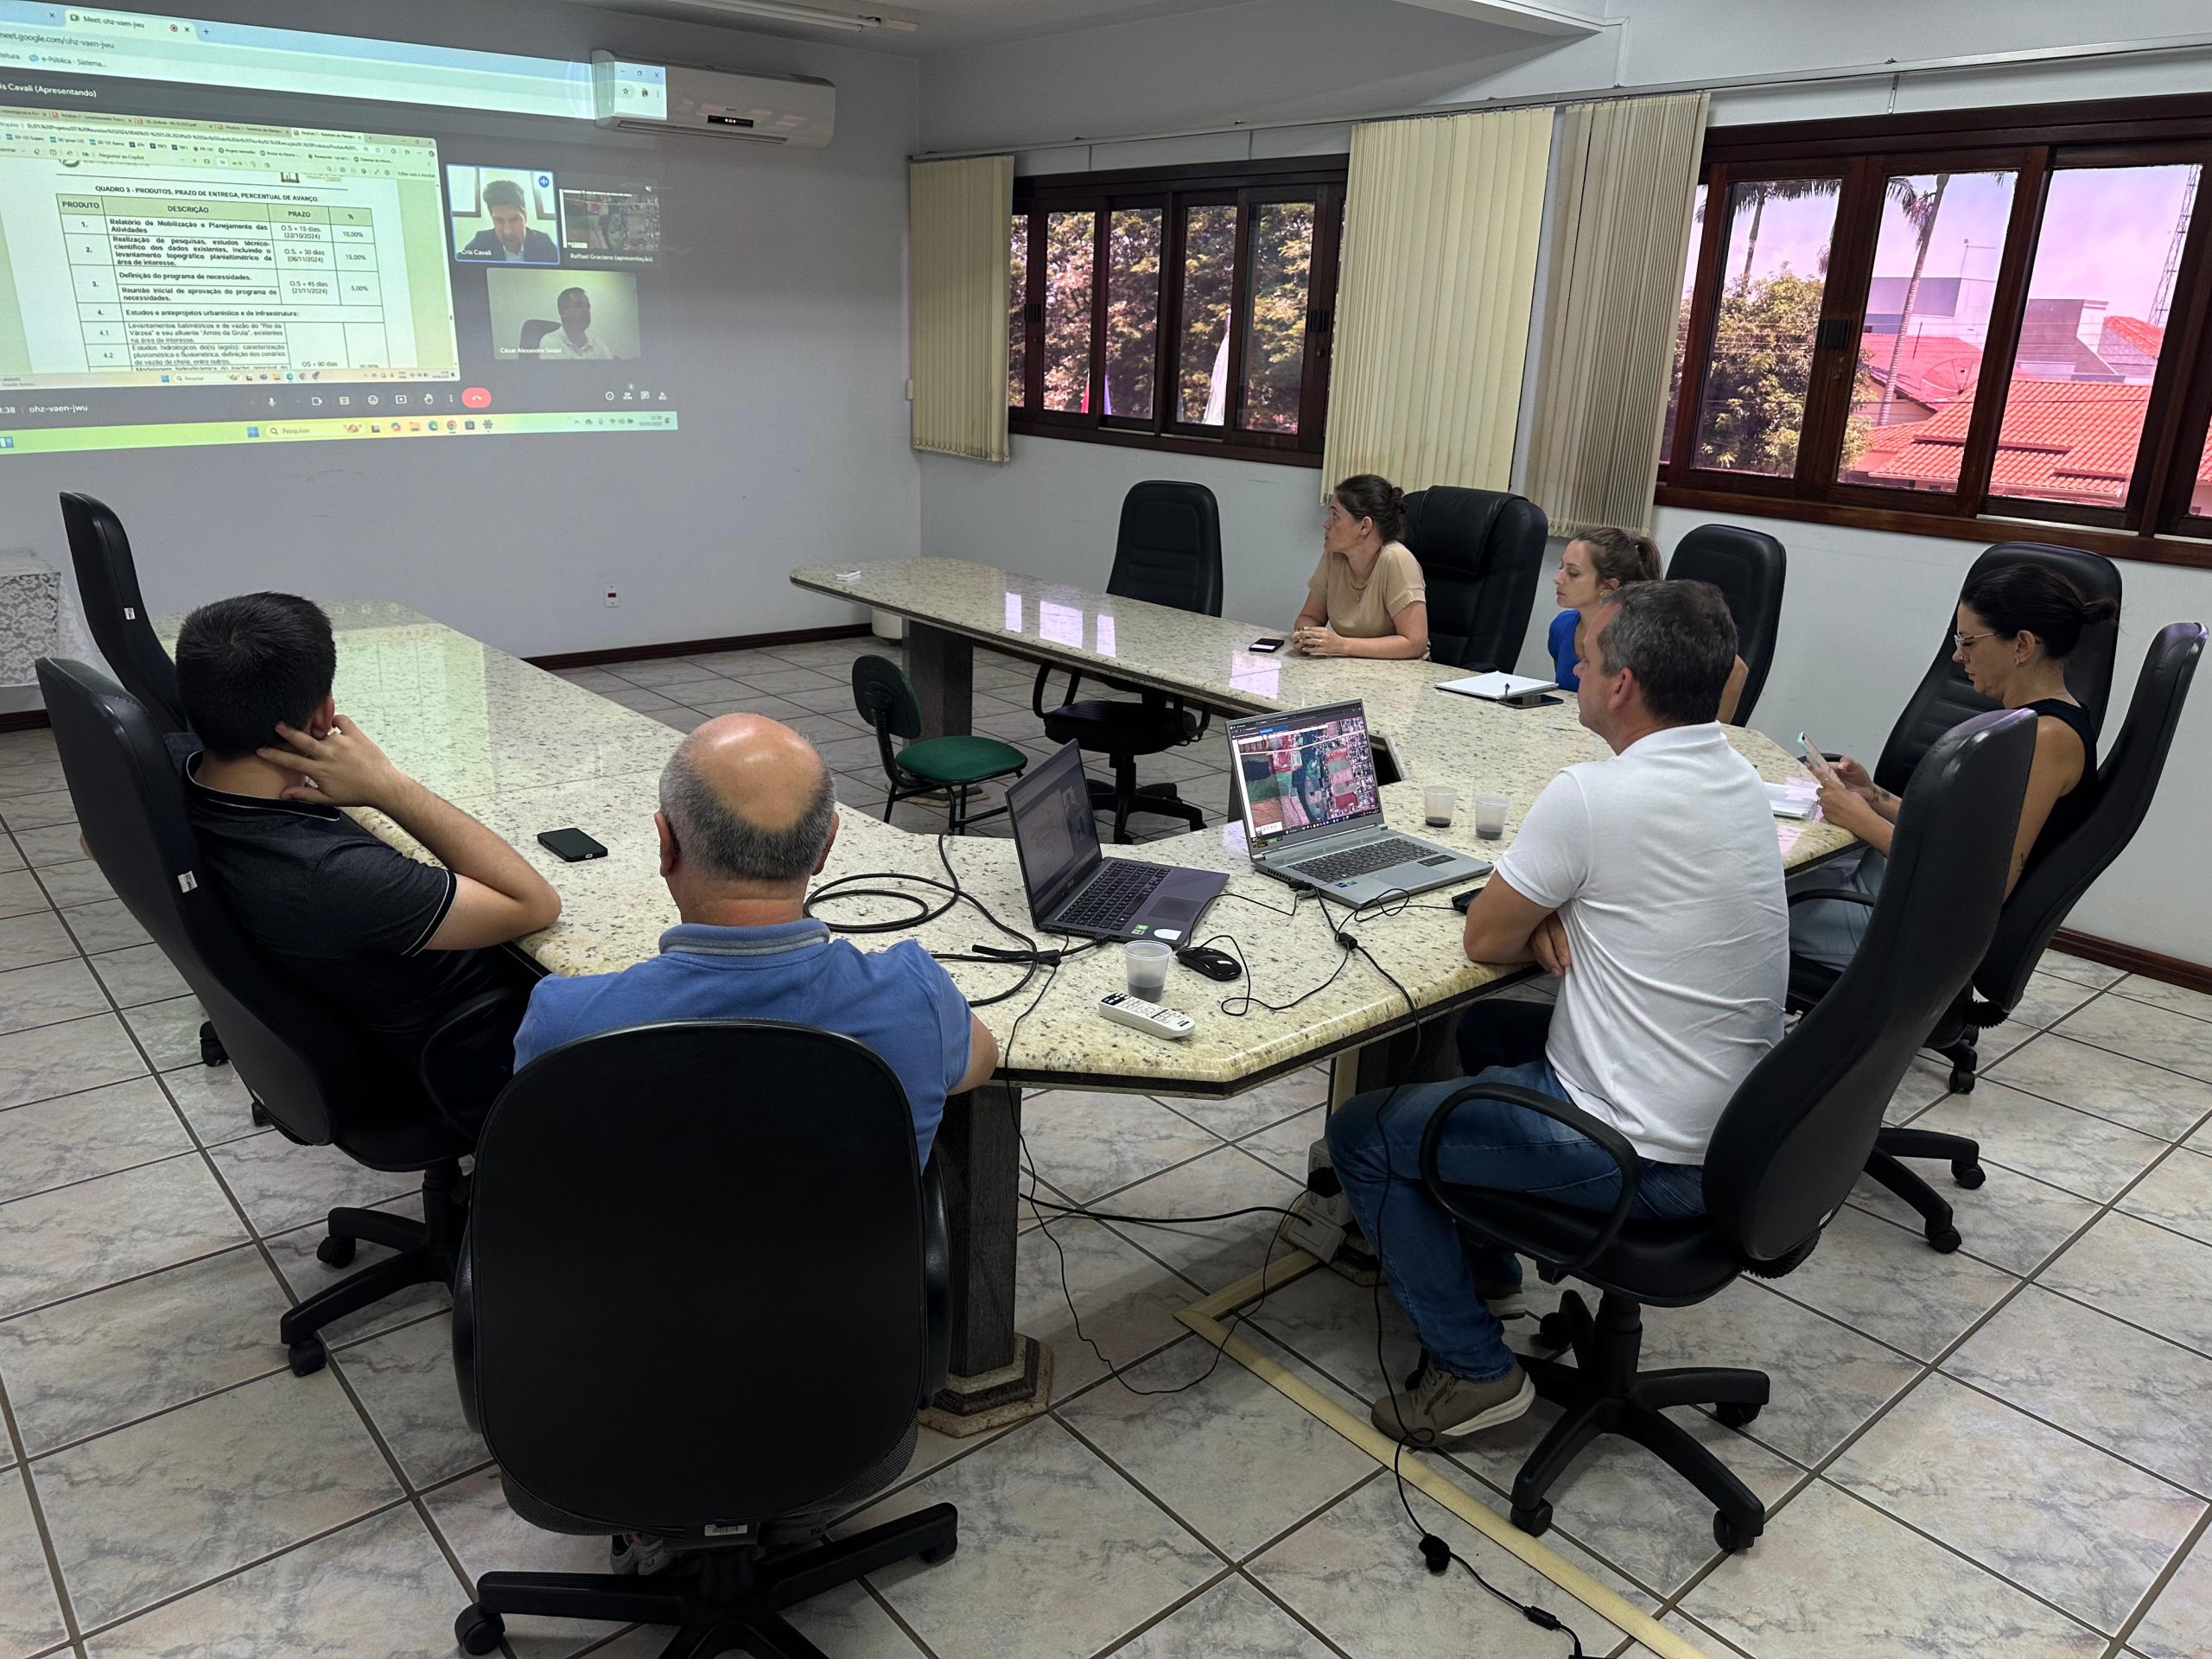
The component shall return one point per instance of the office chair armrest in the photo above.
(1037, 689)
(1609, 1138)
(1841, 895)
(470, 1016)
(464, 1335)
(936, 1284)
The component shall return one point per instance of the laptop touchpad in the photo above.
(1171, 911)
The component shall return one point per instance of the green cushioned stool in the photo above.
(884, 697)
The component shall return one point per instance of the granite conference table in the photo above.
(524, 751)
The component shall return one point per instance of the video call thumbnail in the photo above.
(503, 214)
(564, 316)
(619, 226)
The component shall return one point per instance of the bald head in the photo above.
(749, 802)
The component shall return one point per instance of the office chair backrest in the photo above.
(534, 331)
(1480, 552)
(884, 697)
(1798, 1130)
(694, 1276)
(1168, 549)
(107, 583)
(299, 1063)
(1748, 567)
(2121, 796)
(1945, 697)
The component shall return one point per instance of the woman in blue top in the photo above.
(1597, 563)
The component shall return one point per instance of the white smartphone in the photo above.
(1815, 762)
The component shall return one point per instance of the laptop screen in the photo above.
(1054, 834)
(1310, 770)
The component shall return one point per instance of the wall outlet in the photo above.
(613, 599)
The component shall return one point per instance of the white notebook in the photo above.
(1497, 687)
(1793, 800)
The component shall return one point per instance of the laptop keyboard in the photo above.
(1114, 894)
(1363, 861)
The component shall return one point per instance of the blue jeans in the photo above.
(1375, 1141)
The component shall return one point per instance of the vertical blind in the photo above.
(1627, 172)
(956, 236)
(1442, 222)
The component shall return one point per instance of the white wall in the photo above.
(793, 443)
(1863, 609)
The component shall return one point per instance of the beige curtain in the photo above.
(957, 232)
(1628, 173)
(1441, 219)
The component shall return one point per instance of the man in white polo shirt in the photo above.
(1651, 884)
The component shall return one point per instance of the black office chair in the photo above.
(1945, 697)
(532, 333)
(758, 1377)
(1167, 552)
(1748, 567)
(306, 1071)
(2120, 795)
(1784, 1156)
(107, 583)
(1480, 553)
(950, 766)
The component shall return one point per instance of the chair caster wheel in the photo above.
(1962, 1080)
(1731, 1537)
(212, 1051)
(1943, 1240)
(477, 1631)
(1535, 1520)
(1555, 1332)
(335, 1252)
(943, 1552)
(1734, 1415)
(260, 1116)
(307, 1356)
(1968, 1173)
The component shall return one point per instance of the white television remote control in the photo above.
(1171, 1023)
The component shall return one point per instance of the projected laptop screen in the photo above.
(1312, 769)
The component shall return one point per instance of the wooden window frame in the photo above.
(2035, 142)
(1248, 186)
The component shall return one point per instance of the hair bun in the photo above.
(2099, 610)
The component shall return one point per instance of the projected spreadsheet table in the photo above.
(164, 282)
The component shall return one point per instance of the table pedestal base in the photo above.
(974, 1405)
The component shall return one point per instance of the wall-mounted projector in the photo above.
(796, 110)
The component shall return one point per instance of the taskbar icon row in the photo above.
(186, 434)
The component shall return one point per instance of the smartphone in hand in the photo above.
(1815, 762)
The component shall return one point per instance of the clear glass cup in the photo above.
(1438, 802)
(1146, 961)
(1489, 815)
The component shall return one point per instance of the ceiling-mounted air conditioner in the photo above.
(796, 110)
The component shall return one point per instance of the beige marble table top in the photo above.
(525, 750)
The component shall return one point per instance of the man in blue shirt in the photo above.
(747, 818)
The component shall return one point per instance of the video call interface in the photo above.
(1297, 777)
(171, 273)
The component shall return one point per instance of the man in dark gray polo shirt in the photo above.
(391, 945)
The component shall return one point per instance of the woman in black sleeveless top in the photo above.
(2016, 627)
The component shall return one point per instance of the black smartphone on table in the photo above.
(571, 845)
(1268, 645)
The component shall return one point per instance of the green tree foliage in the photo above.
(1209, 262)
(1274, 350)
(1132, 309)
(1760, 366)
(1068, 251)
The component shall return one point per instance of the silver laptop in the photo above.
(1073, 887)
(1305, 782)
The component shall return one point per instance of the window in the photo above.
(1199, 302)
(1935, 320)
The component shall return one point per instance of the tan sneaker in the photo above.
(1441, 1411)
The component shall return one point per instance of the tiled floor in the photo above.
(2007, 1451)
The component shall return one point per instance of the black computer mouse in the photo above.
(1214, 964)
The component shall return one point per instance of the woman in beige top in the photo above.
(1366, 598)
